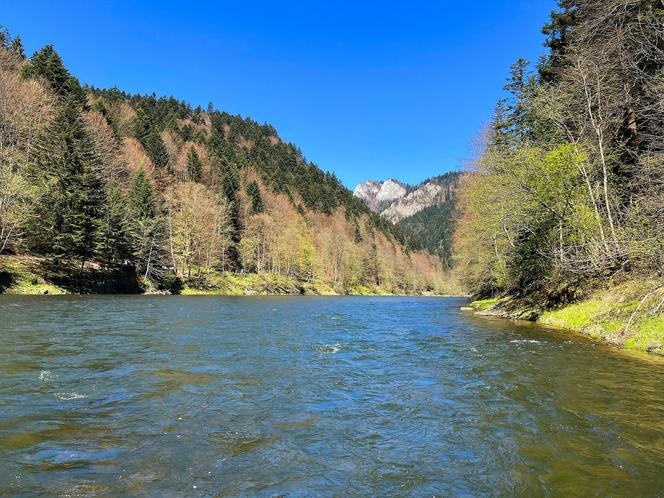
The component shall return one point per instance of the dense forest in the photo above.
(179, 195)
(569, 189)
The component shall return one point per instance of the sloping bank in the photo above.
(39, 276)
(628, 315)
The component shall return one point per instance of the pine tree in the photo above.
(254, 193)
(67, 223)
(193, 166)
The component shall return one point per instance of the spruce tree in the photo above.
(146, 231)
(114, 244)
(5, 37)
(557, 32)
(254, 193)
(46, 63)
(141, 197)
(193, 166)
(147, 132)
(156, 149)
(16, 46)
(66, 165)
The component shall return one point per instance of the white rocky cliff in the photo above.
(379, 195)
(395, 201)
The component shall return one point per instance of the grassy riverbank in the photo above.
(628, 314)
(39, 276)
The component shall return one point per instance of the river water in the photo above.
(269, 396)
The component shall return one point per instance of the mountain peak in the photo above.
(379, 194)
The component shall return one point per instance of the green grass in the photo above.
(606, 314)
(575, 316)
(485, 304)
(649, 335)
(24, 279)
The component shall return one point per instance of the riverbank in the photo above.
(629, 314)
(22, 275)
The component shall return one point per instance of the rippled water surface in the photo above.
(207, 396)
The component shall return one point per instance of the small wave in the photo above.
(69, 396)
(47, 376)
(525, 341)
(329, 348)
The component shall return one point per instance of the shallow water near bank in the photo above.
(218, 396)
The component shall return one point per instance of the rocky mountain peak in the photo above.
(395, 201)
(380, 194)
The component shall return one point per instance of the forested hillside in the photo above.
(181, 196)
(568, 194)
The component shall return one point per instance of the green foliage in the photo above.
(146, 228)
(16, 47)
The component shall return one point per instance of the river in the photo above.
(315, 396)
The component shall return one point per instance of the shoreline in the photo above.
(30, 276)
(614, 316)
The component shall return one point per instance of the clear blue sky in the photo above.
(367, 89)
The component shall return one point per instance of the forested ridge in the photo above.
(568, 193)
(179, 194)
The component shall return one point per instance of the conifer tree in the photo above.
(156, 149)
(5, 37)
(193, 166)
(66, 167)
(46, 63)
(254, 193)
(499, 126)
(114, 243)
(17, 47)
(147, 132)
(146, 229)
(557, 31)
(517, 108)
